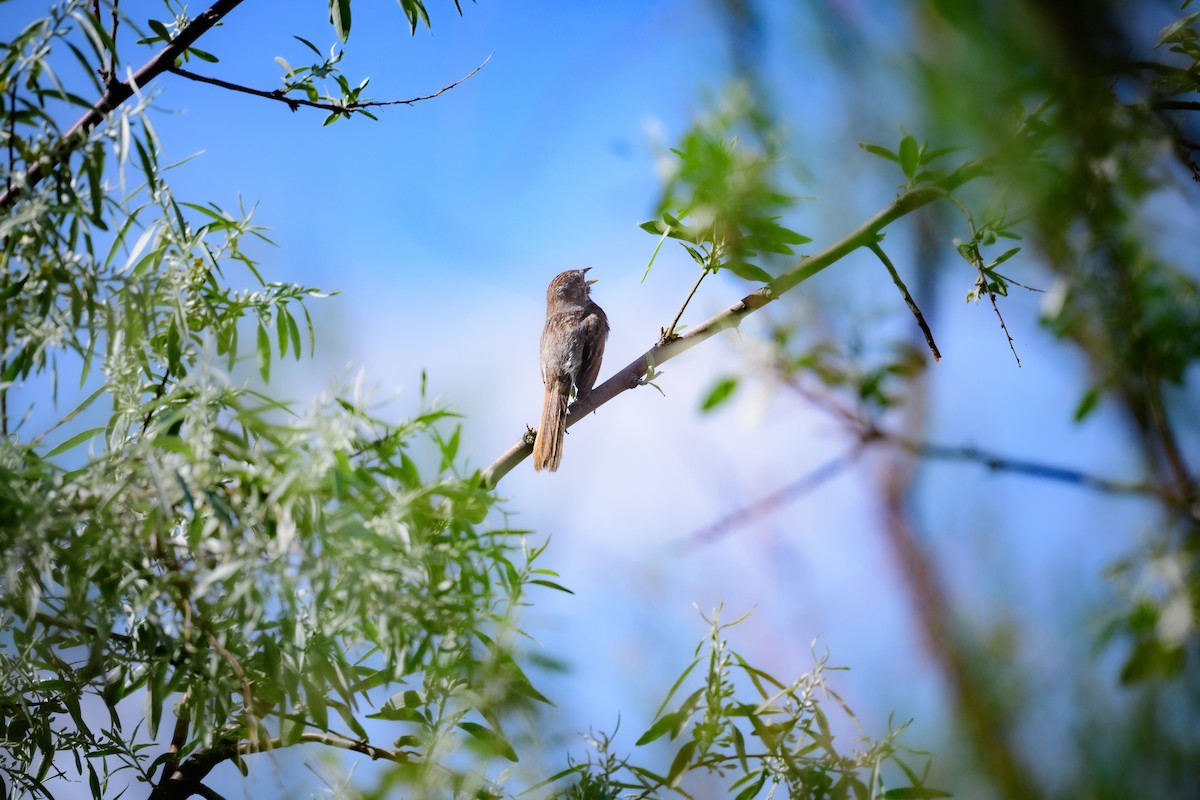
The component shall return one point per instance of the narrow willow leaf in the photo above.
(909, 155)
(719, 394)
(882, 152)
(492, 740)
(264, 353)
(75, 441)
(683, 760)
(339, 15)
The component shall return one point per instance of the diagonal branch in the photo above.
(806, 483)
(331, 739)
(632, 374)
(1034, 469)
(116, 94)
(912, 304)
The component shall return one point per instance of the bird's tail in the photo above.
(548, 446)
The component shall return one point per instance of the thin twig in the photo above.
(996, 307)
(912, 304)
(999, 463)
(295, 103)
(332, 740)
(112, 69)
(671, 330)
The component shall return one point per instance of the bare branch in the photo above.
(333, 740)
(964, 453)
(294, 103)
(999, 463)
(806, 483)
(670, 332)
(912, 304)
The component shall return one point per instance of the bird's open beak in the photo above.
(593, 280)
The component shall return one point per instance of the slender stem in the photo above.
(912, 304)
(295, 103)
(112, 67)
(671, 330)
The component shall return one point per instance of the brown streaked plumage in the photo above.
(572, 347)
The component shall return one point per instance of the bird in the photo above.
(572, 347)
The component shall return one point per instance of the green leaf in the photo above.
(74, 441)
(882, 152)
(309, 45)
(264, 353)
(551, 585)
(909, 156)
(493, 741)
(1171, 32)
(683, 760)
(281, 331)
(655, 226)
(294, 331)
(203, 55)
(753, 789)
(160, 29)
(415, 11)
(1087, 404)
(664, 724)
(936, 154)
(1005, 256)
(748, 271)
(339, 15)
(719, 394)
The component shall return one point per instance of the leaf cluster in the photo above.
(754, 734)
(722, 201)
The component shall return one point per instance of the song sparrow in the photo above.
(572, 346)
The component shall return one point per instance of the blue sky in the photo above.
(440, 226)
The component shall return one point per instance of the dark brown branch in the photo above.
(185, 781)
(178, 738)
(331, 740)
(116, 94)
(964, 453)
(1012, 345)
(998, 463)
(912, 304)
(208, 793)
(1177, 105)
(632, 374)
(294, 103)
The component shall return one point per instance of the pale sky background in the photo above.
(440, 226)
